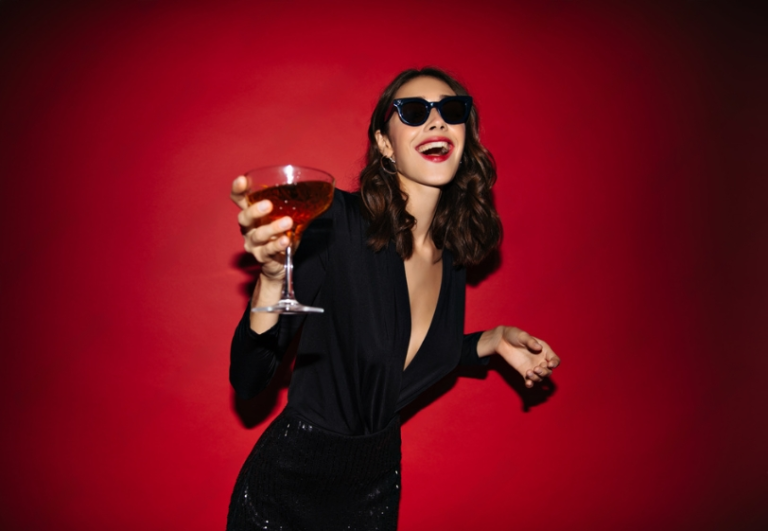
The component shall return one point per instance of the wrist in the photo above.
(267, 291)
(489, 341)
(270, 281)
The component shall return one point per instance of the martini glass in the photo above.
(301, 193)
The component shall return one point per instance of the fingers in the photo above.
(521, 338)
(531, 343)
(537, 374)
(544, 368)
(553, 360)
(240, 187)
(250, 216)
(266, 240)
(267, 252)
(533, 358)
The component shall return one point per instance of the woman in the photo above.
(387, 265)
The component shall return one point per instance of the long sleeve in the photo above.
(254, 358)
(469, 351)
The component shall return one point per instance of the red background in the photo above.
(631, 148)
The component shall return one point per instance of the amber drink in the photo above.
(302, 201)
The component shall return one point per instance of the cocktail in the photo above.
(298, 192)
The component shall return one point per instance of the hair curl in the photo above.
(465, 221)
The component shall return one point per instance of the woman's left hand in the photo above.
(530, 356)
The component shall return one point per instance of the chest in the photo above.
(424, 279)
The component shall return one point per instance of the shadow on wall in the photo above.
(477, 274)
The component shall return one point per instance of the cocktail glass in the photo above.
(301, 193)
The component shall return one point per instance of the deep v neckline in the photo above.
(408, 320)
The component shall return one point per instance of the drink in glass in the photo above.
(301, 193)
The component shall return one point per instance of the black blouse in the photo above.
(348, 377)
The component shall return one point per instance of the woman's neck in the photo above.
(421, 204)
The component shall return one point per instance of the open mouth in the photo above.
(435, 149)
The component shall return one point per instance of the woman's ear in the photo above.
(382, 141)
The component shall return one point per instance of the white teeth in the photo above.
(444, 146)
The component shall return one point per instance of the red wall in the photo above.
(632, 184)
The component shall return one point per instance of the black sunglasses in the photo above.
(415, 111)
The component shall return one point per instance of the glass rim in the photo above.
(282, 167)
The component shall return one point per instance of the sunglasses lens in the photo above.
(453, 111)
(414, 112)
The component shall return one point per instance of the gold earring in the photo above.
(384, 168)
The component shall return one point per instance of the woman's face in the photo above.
(428, 154)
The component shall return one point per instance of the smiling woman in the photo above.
(387, 265)
(464, 220)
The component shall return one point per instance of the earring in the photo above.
(384, 168)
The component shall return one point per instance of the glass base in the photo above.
(288, 307)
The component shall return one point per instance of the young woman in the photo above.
(387, 265)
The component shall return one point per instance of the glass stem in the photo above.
(288, 284)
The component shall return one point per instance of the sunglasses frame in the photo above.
(398, 103)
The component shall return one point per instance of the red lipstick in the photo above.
(435, 149)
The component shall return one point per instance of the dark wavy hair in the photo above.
(465, 222)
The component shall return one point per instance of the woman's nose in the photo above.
(435, 120)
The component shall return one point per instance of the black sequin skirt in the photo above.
(302, 478)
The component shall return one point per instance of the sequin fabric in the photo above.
(302, 478)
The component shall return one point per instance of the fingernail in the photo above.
(285, 223)
(284, 241)
(263, 206)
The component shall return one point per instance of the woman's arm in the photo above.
(469, 350)
(254, 358)
(530, 356)
(261, 339)
(266, 243)
(257, 346)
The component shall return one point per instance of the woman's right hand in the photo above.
(266, 242)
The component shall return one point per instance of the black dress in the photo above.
(331, 459)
